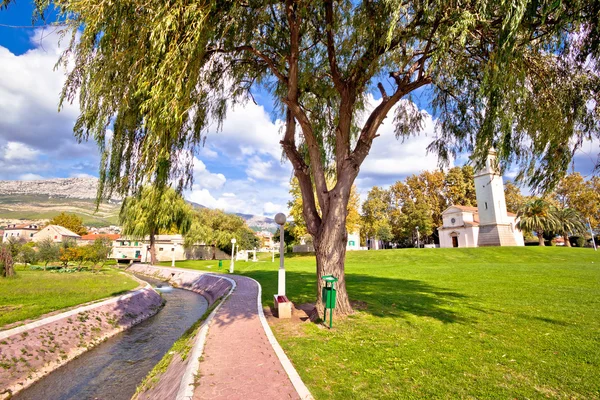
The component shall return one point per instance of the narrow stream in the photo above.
(113, 369)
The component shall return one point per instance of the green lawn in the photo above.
(449, 323)
(31, 294)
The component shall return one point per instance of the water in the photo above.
(113, 369)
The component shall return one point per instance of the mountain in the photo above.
(43, 199)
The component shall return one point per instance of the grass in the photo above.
(448, 323)
(31, 294)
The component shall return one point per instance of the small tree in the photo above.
(6, 262)
(568, 222)
(537, 216)
(48, 251)
(27, 255)
(98, 252)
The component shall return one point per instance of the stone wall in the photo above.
(29, 352)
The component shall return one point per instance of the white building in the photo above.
(488, 224)
(56, 233)
(167, 248)
(22, 231)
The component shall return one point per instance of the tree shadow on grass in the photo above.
(384, 297)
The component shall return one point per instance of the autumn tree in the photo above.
(70, 221)
(574, 192)
(154, 210)
(518, 75)
(514, 198)
(460, 186)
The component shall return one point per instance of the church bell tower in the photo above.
(495, 228)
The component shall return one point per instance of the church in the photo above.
(488, 224)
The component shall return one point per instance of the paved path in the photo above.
(238, 361)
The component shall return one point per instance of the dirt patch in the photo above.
(301, 315)
(358, 305)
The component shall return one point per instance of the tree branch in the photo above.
(335, 73)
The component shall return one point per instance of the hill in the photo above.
(44, 199)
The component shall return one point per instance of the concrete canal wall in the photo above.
(176, 379)
(29, 352)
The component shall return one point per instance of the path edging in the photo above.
(289, 368)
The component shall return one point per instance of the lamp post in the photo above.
(280, 220)
(592, 233)
(418, 238)
(232, 249)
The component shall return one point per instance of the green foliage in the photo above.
(70, 221)
(48, 251)
(514, 74)
(513, 197)
(152, 211)
(538, 216)
(217, 228)
(375, 211)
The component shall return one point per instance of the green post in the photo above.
(329, 297)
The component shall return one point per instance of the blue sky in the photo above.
(238, 170)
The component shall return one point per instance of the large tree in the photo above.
(514, 74)
(152, 211)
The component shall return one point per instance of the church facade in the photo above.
(488, 224)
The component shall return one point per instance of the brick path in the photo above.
(238, 361)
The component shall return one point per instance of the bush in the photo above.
(577, 241)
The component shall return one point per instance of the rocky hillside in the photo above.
(72, 188)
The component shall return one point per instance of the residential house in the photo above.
(20, 231)
(138, 250)
(56, 233)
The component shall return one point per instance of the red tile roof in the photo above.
(94, 236)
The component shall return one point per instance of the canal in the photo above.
(113, 369)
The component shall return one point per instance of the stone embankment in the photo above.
(29, 352)
(176, 380)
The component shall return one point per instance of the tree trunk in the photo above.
(541, 238)
(330, 250)
(214, 249)
(566, 239)
(153, 259)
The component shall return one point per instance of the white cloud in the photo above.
(30, 177)
(204, 179)
(81, 175)
(392, 159)
(19, 151)
(272, 208)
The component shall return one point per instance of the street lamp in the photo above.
(232, 249)
(418, 238)
(280, 220)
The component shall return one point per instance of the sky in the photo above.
(240, 168)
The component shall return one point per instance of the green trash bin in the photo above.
(329, 296)
(220, 264)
